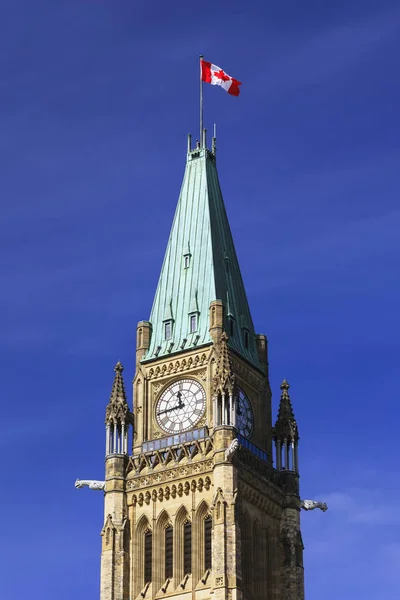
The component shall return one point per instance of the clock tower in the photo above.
(201, 491)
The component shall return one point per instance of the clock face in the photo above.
(181, 406)
(244, 414)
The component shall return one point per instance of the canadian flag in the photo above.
(216, 76)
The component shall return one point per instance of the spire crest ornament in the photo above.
(286, 425)
(117, 410)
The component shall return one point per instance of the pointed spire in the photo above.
(200, 218)
(117, 410)
(286, 426)
(224, 378)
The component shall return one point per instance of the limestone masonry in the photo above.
(201, 491)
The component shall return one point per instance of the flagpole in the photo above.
(201, 106)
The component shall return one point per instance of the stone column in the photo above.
(114, 583)
(107, 439)
(233, 410)
(296, 457)
(225, 555)
(278, 455)
(122, 451)
(292, 577)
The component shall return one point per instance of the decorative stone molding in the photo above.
(258, 499)
(224, 378)
(247, 374)
(171, 475)
(258, 467)
(263, 487)
(161, 459)
(165, 492)
(177, 366)
(202, 374)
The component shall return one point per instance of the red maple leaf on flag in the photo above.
(222, 75)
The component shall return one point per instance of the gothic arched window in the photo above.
(148, 556)
(207, 543)
(187, 548)
(169, 552)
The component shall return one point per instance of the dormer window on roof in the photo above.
(193, 322)
(187, 257)
(231, 324)
(246, 338)
(227, 261)
(168, 330)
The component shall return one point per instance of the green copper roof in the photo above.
(200, 265)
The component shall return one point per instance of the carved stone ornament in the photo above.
(117, 410)
(312, 504)
(178, 366)
(92, 484)
(231, 450)
(286, 427)
(224, 378)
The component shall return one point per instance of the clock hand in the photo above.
(181, 405)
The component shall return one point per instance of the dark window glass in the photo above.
(168, 330)
(169, 552)
(148, 555)
(207, 543)
(231, 327)
(246, 338)
(193, 323)
(187, 548)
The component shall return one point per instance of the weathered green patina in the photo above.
(200, 265)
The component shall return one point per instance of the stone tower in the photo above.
(205, 503)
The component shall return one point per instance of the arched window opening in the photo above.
(148, 556)
(207, 543)
(246, 338)
(169, 552)
(219, 409)
(187, 548)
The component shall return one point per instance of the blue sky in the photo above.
(96, 99)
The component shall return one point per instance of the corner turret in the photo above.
(224, 412)
(286, 435)
(118, 416)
